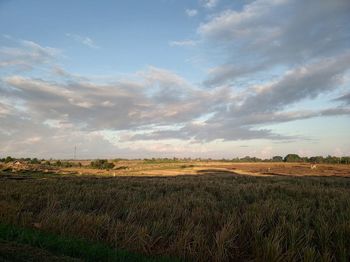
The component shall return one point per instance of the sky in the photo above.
(171, 78)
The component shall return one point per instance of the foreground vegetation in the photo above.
(23, 244)
(211, 216)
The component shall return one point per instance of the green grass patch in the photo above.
(68, 246)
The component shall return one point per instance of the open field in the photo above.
(171, 168)
(196, 211)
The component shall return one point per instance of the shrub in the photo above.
(101, 164)
(34, 161)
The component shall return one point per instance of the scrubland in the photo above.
(197, 212)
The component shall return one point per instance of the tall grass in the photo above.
(214, 217)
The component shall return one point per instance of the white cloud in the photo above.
(266, 34)
(183, 43)
(27, 55)
(83, 40)
(9, 37)
(60, 114)
(156, 97)
(209, 3)
(307, 81)
(191, 12)
(5, 110)
(232, 23)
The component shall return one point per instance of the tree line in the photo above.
(296, 158)
(105, 164)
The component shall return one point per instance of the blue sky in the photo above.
(129, 35)
(164, 78)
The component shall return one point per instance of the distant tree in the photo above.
(8, 159)
(292, 158)
(246, 159)
(304, 159)
(332, 160)
(316, 159)
(277, 159)
(250, 159)
(66, 164)
(345, 160)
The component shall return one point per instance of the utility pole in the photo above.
(75, 152)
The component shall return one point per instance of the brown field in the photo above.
(194, 211)
(142, 168)
(257, 169)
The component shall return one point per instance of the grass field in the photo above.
(213, 214)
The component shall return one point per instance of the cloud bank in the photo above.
(296, 51)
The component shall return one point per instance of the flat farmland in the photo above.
(191, 210)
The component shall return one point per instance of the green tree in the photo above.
(292, 158)
(332, 160)
(345, 160)
(277, 159)
(316, 159)
(9, 159)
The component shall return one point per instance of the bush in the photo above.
(101, 164)
(34, 161)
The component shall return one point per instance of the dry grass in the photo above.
(141, 168)
(214, 216)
